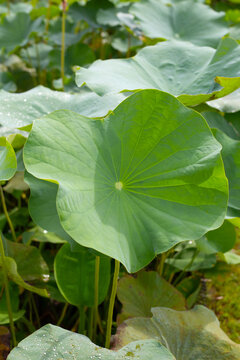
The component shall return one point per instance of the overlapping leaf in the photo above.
(135, 184)
(180, 20)
(180, 68)
(15, 30)
(8, 161)
(19, 110)
(51, 342)
(75, 273)
(189, 335)
(228, 104)
(149, 289)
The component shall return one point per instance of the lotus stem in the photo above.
(96, 290)
(64, 5)
(111, 303)
(8, 300)
(7, 215)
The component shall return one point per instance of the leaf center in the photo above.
(119, 185)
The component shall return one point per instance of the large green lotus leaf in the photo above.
(231, 159)
(75, 273)
(8, 161)
(134, 184)
(228, 104)
(15, 30)
(185, 70)
(138, 295)
(19, 110)
(180, 20)
(42, 205)
(52, 343)
(222, 239)
(189, 335)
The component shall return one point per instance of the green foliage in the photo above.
(116, 167)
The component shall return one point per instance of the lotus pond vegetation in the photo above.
(119, 179)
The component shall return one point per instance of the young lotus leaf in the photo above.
(16, 29)
(134, 184)
(228, 104)
(51, 343)
(220, 240)
(8, 161)
(33, 269)
(19, 110)
(181, 21)
(138, 295)
(187, 260)
(13, 275)
(185, 70)
(189, 335)
(75, 273)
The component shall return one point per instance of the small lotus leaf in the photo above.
(138, 295)
(8, 161)
(75, 273)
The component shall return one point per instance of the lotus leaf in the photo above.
(220, 240)
(185, 70)
(19, 110)
(189, 335)
(228, 104)
(181, 21)
(138, 295)
(134, 184)
(8, 161)
(15, 30)
(231, 159)
(75, 273)
(42, 205)
(51, 343)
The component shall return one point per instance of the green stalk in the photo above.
(64, 5)
(6, 214)
(48, 16)
(180, 276)
(90, 323)
(8, 300)
(161, 264)
(82, 315)
(96, 290)
(62, 314)
(111, 304)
